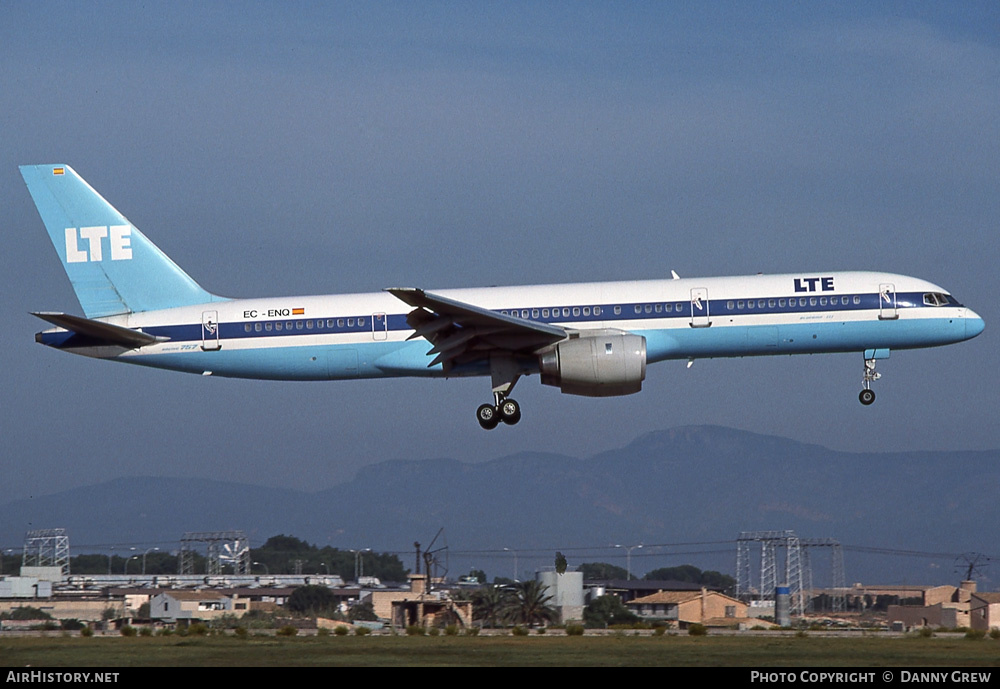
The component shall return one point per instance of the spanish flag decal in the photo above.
(298, 312)
(58, 171)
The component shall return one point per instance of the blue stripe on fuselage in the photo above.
(376, 359)
(628, 312)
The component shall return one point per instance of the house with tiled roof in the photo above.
(710, 608)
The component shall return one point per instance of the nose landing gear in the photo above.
(867, 395)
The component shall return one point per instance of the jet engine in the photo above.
(603, 364)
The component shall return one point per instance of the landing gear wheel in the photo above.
(510, 411)
(867, 397)
(488, 416)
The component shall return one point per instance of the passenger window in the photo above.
(576, 310)
(668, 307)
(740, 304)
(361, 322)
(638, 308)
(586, 310)
(648, 308)
(812, 301)
(618, 310)
(770, 303)
(256, 327)
(267, 326)
(730, 305)
(802, 301)
(309, 325)
(750, 304)
(350, 322)
(822, 301)
(277, 326)
(534, 313)
(597, 310)
(566, 312)
(545, 313)
(246, 326)
(857, 299)
(781, 303)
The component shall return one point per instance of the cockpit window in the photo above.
(935, 299)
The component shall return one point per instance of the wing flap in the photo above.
(464, 333)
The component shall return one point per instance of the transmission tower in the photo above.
(224, 548)
(770, 541)
(837, 584)
(46, 548)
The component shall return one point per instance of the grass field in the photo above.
(388, 651)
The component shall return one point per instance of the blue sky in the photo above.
(302, 148)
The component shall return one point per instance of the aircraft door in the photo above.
(380, 326)
(887, 302)
(699, 308)
(210, 331)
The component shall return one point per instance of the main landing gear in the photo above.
(504, 371)
(867, 395)
(506, 410)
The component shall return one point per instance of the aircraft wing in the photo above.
(463, 333)
(101, 332)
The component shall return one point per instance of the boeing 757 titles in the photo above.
(593, 339)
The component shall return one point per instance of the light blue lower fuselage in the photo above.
(852, 317)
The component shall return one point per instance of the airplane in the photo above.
(592, 339)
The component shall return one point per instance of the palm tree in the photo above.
(488, 605)
(530, 604)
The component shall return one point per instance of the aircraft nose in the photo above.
(974, 324)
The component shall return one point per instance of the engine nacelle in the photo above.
(603, 364)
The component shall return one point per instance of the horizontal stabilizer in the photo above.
(98, 330)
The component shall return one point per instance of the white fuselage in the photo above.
(365, 335)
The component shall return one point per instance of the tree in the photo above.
(530, 604)
(312, 600)
(601, 570)
(363, 612)
(692, 574)
(605, 611)
(488, 605)
(279, 555)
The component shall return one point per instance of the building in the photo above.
(566, 590)
(420, 607)
(172, 606)
(984, 611)
(942, 606)
(684, 608)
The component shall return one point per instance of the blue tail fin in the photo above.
(114, 269)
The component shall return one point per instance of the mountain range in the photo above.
(899, 516)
